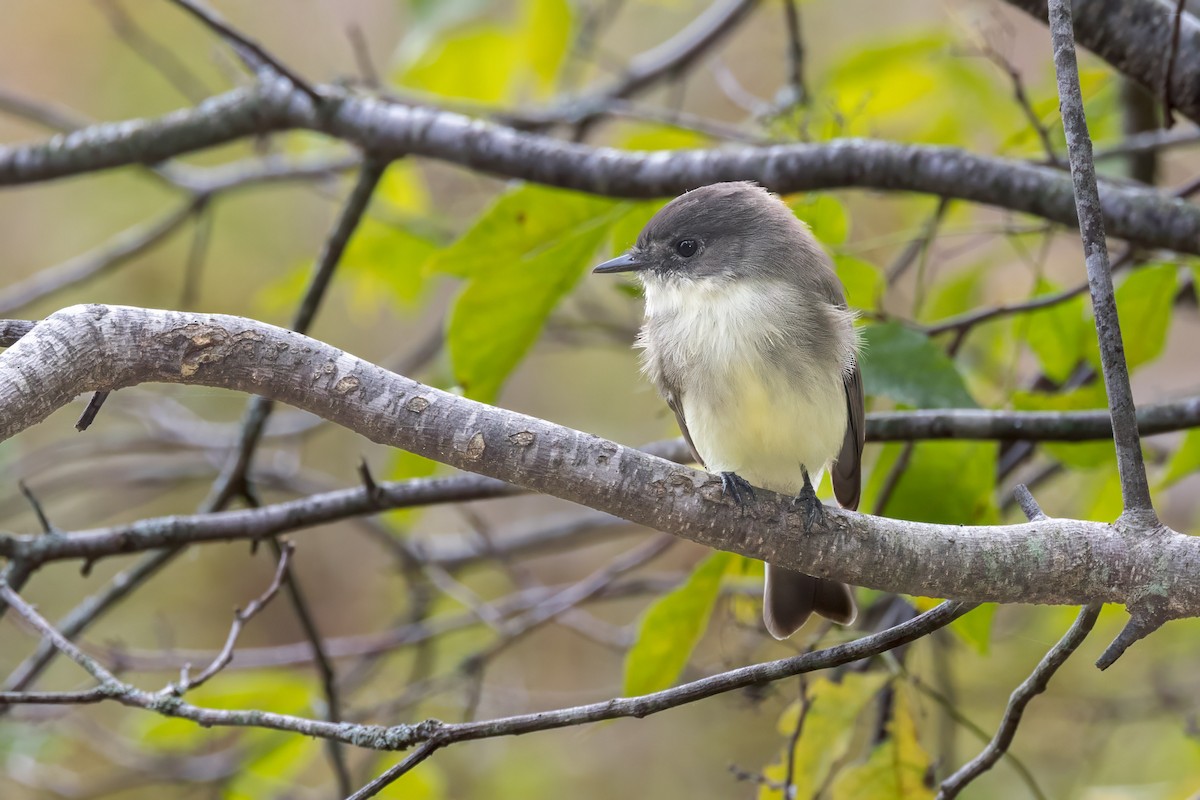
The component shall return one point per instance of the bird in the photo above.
(748, 338)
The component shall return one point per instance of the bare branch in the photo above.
(1032, 686)
(247, 47)
(1133, 36)
(1135, 489)
(440, 734)
(392, 130)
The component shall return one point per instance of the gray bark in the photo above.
(91, 348)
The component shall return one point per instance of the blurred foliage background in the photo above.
(477, 284)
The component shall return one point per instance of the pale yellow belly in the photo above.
(763, 428)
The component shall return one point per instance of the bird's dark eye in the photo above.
(687, 247)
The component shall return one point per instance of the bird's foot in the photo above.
(736, 487)
(808, 503)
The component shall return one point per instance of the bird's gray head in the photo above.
(721, 233)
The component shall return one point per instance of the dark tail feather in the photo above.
(789, 597)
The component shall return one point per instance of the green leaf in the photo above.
(1059, 335)
(671, 628)
(522, 256)
(949, 481)
(863, 280)
(1185, 461)
(403, 188)
(1144, 304)
(906, 366)
(827, 732)
(896, 768)
(521, 223)
(825, 215)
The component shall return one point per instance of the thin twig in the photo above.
(795, 53)
(433, 731)
(243, 43)
(233, 476)
(1169, 71)
(201, 236)
(1032, 686)
(153, 52)
(40, 512)
(362, 56)
(392, 774)
(1022, 98)
(1135, 489)
(915, 248)
(805, 703)
(240, 618)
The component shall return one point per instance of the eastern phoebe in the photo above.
(749, 340)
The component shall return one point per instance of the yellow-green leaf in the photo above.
(547, 35)
(863, 281)
(1144, 303)
(1084, 455)
(896, 769)
(500, 314)
(951, 482)
(827, 731)
(475, 63)
(671, 628)
(1185, 461)
(520, 224)
(825, 215)
(975, 627)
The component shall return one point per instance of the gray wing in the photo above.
(676, 403)
(847, 471)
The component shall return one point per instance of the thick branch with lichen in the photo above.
(91, 348)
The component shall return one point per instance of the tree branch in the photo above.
(1134, 36)
(435, 732)
(1135, 489)
(392, 130)
(1031, 687)
(91, 348)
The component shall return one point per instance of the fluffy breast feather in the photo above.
(759, 371)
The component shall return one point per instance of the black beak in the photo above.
(622, 263)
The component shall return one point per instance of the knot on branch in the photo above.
(1139, 522)
(209, 344)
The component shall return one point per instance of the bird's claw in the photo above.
(808, 503)
(736, 487)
